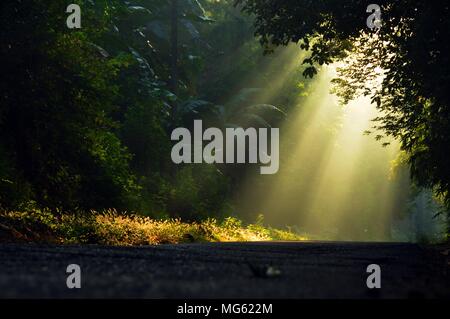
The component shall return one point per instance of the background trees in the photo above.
(58, 91)
(86, 114)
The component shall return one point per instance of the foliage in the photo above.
(86, 114)
(112, 228)
(57, 96)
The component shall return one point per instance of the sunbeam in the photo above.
(334, 180)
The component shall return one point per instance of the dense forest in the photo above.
(86, 114)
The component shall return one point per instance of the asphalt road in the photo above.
(225, 270)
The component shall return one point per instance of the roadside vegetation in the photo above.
(112, 228)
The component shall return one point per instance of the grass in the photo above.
(112, 228)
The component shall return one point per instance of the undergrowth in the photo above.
(111, 228)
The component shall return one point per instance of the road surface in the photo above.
(224, 270)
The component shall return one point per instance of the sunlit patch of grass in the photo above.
(111, 228)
